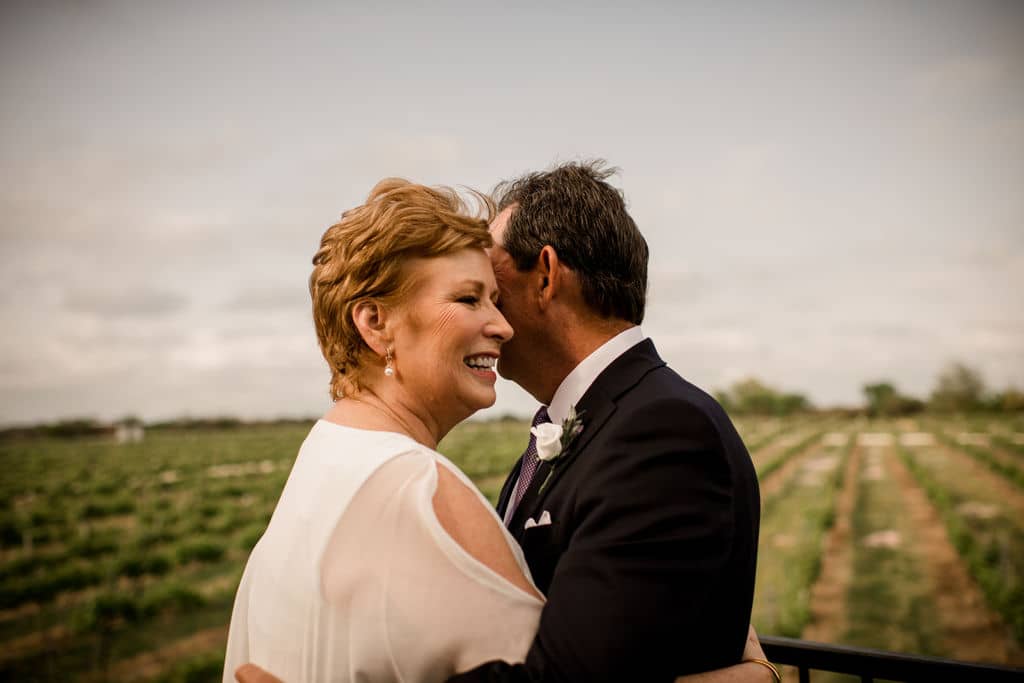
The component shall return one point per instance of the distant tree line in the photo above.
(74, 428)
(62, 429)
(751, 396)
(958, 389)
(224, 422)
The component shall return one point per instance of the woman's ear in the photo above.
(370, 318)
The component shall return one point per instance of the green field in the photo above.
(120, 562)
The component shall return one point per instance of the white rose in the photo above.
(549, 440)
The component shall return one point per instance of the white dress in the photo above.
(355, 579)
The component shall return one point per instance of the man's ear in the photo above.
(371, 319)
(550, 274)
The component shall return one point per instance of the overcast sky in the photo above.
(832, 192)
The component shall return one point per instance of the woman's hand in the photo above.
(753, 650)
(744, 672)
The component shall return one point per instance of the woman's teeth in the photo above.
(481, 362)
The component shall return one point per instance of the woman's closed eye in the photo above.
(469, 299)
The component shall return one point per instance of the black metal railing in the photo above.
(872, 665)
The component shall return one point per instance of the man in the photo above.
(642, 532)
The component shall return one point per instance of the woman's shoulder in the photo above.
(333, 466)
(469, 523)
(332, 446)
(432, 511)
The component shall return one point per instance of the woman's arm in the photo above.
(744, 672)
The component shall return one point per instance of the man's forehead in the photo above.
(499, 224)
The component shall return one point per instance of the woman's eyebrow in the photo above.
(475, 284)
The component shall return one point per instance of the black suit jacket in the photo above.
(648, 564)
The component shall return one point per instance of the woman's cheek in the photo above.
(443, 323)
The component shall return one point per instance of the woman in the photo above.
(382, 561)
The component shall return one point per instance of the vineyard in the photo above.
(120, 561)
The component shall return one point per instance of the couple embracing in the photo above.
(624, 544)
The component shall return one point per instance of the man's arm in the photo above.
(636, 591)
(739, 673)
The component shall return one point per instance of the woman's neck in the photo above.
(385, 410)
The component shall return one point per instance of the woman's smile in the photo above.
(482, 365)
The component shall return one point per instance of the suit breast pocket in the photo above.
(542, 549)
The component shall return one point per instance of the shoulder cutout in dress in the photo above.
(462, 514)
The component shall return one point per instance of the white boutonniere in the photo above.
(549, 440)
(553, 440)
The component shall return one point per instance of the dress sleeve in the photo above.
(439, 609)
(237, 649)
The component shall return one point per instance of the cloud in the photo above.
(291, 298)
(965, 103)
(160, 367)
(125, 302)
(960, 78)
(812, 222)
(675, 288)
(883, 331)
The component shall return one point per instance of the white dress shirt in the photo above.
(576, 383)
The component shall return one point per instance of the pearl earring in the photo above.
(389, 369)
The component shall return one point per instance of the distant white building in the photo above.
(129, 431)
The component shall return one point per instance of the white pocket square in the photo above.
(545, 519)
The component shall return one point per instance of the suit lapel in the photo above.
(597, 405)
(508, 487)
(597, 411)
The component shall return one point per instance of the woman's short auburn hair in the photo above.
(363, 257)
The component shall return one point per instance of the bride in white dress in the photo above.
(382, 561)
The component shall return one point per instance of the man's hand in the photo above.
(250, 673)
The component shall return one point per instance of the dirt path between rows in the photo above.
(1007, 456)
(968, 629)
(828, 594)
(775, 481)
(30, 643)
(19, 612)
(155, 662)
(779, 443)
(1008, 494)
(38, 641)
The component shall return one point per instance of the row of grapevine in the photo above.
(121, 547)
(115, 559)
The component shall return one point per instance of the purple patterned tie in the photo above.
(530, 463)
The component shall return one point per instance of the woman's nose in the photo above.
(499, 327)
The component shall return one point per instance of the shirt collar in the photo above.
(576, 383)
